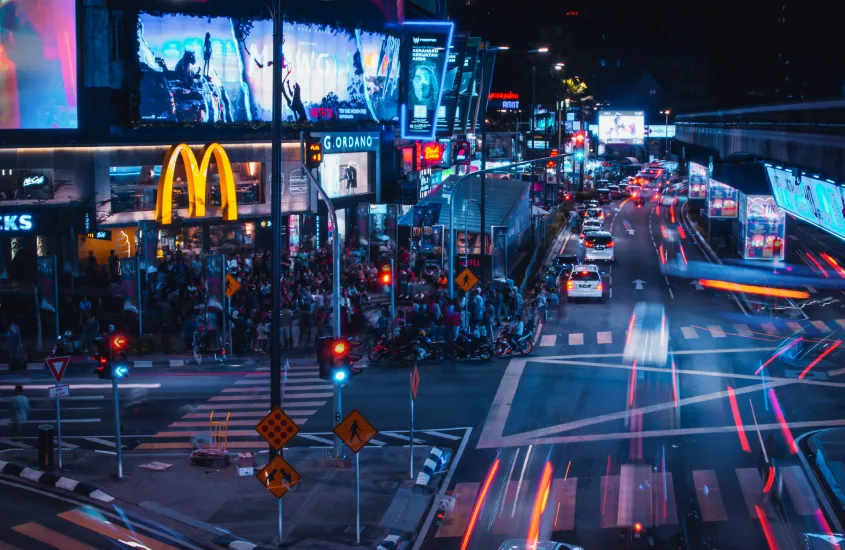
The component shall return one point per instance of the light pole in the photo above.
(666, 129)
(485, 93)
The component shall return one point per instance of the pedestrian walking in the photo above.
(20, 412)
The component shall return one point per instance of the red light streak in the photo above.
(479, 503)
(833, 263)
(540, 505)
(672, 213)
(743, 439)
(753, 289)
(656, 208)
(633, 384)
(823, 523)
(767, 528)
(663, 231)
(675, 383)
(630, 329)
(819, 358)
(784, 427)
(662, 259)
(813, 259)
(606, 483)
(683, 254)
(770, 481)
(777, 354)
(681, 232)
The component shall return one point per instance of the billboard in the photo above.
(467, 84)
(721, 200)
(219, 70)
(452, 85)
(762, 227)
(621, 126)
(697, 181)
(38, 65)
(428, 45)
(815, 201)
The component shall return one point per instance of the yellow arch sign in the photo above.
(196, 175)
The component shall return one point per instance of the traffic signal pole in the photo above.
(116, 409)
(392, 295)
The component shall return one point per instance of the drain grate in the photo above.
(319, 453)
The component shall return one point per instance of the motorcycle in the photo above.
(426, 349)
(392, 349)
(466, 347)
(67, 344)
(503, 344)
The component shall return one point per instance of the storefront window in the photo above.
(135, 187)
(32, 184)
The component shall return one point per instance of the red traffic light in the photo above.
(340, 347)
(579, 138)
(385, 278)
(119, 342)
(638, 527)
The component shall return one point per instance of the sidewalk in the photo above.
(319, 512)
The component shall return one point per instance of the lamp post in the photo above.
(666, 128)
(484, 150)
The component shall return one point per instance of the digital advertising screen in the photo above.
(219, 70)
(815, 201)
(467, 84)
(38, 65)
(762, 226)
(345, 174)
(428, 45)
(621, 126)
(452, 85)
(697, 181)
(721, 200)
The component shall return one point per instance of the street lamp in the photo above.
(666, 129)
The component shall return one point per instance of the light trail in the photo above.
(675, 383)
(833, 263)
(770, 480)
(754, 289)
(681, 232)
(821, 356)
(479, 503)
(767, 528)
(743, 439)
(540, 505)
(633, 384)
(777, 354)
(816, 263)
(784, 427)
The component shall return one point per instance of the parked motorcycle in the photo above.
(426, 349)
(466, 346)
(392, 349)
(503, 345)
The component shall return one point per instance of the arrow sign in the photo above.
(697, 285)
(639, 283)
(57, 366)
(628, 227)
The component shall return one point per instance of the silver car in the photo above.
(515, 544)
(599, 246)
(584, 282)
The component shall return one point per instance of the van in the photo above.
(603, 195)
(615, 192)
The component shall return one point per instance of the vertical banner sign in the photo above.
(149, 243)
(500, 251)
(485, 82)
(128, 268)
(427, 51)
(363, 220)
(467, 83)
(422, 233)
(215, 274)
(47, 284)
(697, 181)
(391, 225)
(452, 85)
(474, 96)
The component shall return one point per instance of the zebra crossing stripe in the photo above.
(769, 328)
(709, 495)
(316, 438)
(604, 337)
(443, 435)
(689, 333)
(576, 339)
(752, 488)
(402, 437)
(795, 327)
(841, 323)
(743, 330)
(548, 340)
(800, 493)
(716, 331)
(820, 326)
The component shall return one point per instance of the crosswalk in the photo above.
(638, 493)
(771, 331)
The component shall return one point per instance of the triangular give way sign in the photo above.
(57, 366)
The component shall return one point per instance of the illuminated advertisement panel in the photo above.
(38, 65)
(621, 126)
(762, 227)
(219, 70)
(428, 45)
(467, 84)
(721, 200)
(697, 181)
(813, 200)
(452, 85)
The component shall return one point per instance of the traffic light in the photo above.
(335, 358)
(386, 277)
(313, 152)
(579, 139)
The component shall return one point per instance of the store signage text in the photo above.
(503, 95)
(510, 105)
(433, 152)
(196, 175)
(32, 181)
(334, 143)
(16, 222)
(100, 235)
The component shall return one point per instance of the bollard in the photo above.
(45, 446)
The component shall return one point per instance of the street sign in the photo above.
(277, 428)
(355, 431)
(467, 279)
(278, 476)
(57, 366)
(57, 392)
(415, 382)
(232, 286)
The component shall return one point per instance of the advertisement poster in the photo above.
(621, 126)
(697, 181)
(47, 283)
(500, 251)
(383, 230)
(721, 200)
(128, 268)
(452, 85)
(428, 50)
(38, 65)
(761, 224)
(295, 183)
(391, 224)
(432, 245)
(467, 84)
(214, 273)
(345, 174)
(294, 236)
(219, 70)
(818, 202)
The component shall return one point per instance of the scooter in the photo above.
(504, 346)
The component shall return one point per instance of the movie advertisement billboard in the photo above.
(452, 85)
(500, 251)
(38, 65)
(813, 200)
(697, 181)
(467, 84)
(721, 200)
(428, 45)
(621, 126)
(219, 70)
(762, 227)
(128, 268)
(47, 283)
(214, 273)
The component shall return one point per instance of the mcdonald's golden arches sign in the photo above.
(196, 175)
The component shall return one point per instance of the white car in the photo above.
(521, 544)
(585, 282)
(590, 224)
(648, 336)
(599, 246)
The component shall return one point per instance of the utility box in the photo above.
(246, 464)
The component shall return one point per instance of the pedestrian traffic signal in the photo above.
(335, 358)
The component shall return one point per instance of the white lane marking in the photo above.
(548, 340)
(101, 441)
(840, 322)
(671, 294)
(316, 438)
(87, 387)
(743, 330)
(689, 333)
(576, 339)
(142, 364)
(604, 337)
(443, 435)
(716, 331)
(400, 436)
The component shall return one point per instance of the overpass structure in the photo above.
(809, 136)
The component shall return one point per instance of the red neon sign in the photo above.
(502, 95)
(433, 152)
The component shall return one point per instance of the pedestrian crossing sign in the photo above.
(467, 280)
(355, 431)
(232, 286)
(278, 476)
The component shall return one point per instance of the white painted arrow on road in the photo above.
(639, 283)
(697, 285)
(628, 227)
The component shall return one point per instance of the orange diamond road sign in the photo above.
(232, 286)
(355, 431)
(278, 476)
(277, 428)
(415, 382)
(467, 279)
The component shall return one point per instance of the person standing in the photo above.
(206, 54)
(20, 412)
(13, 342)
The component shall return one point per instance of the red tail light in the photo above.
(103, 360)
(599, 286)
(588, 244)
(581, 236)
(610, 244)
(569, 285)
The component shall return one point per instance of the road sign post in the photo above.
(57, 366)
(277, 428)
(414, 387)
(356, 432)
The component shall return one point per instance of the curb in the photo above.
(427, 470)
(164, 363)
(52, 480)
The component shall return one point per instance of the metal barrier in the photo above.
(218, 433)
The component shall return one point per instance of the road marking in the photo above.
(291, 380)
(455, 522)
(548, 340)
(101, 441)
(576, 339)
(743, 330)
(204, 423)
(752, 488)
(769, 328)
(258, 415)
(604, 337)
(111, 530)
(716, 331)
(609, 498)
(835, 372)
(251, 398)
(671, 294)
(288, 388)
(562, 497)
(443, 435)
(49, 537)
(142, 364)
(841, 323)
(800, 493)
(318, 439)
(86, 387)
(261, 406)
(709, 495)
(494, 425)
(795, 327)
(820, 326)
(17, 444)
(400, 436)
(689, 333)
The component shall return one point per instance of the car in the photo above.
(615, 191)
(564, 264)
(603, 193)
(623, 188)
(639, 201)
(522, 544)
(595, 213)
(648, 336)
(590, 225)
(598, 245)
(591, 203)
(584, 282)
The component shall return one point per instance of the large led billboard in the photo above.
(219, 70)
(621, 126)
(428, 45)
(813, 200)
(452, 85)
(697, 181)
(762, 226)
(38, 65)
(721, 200)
